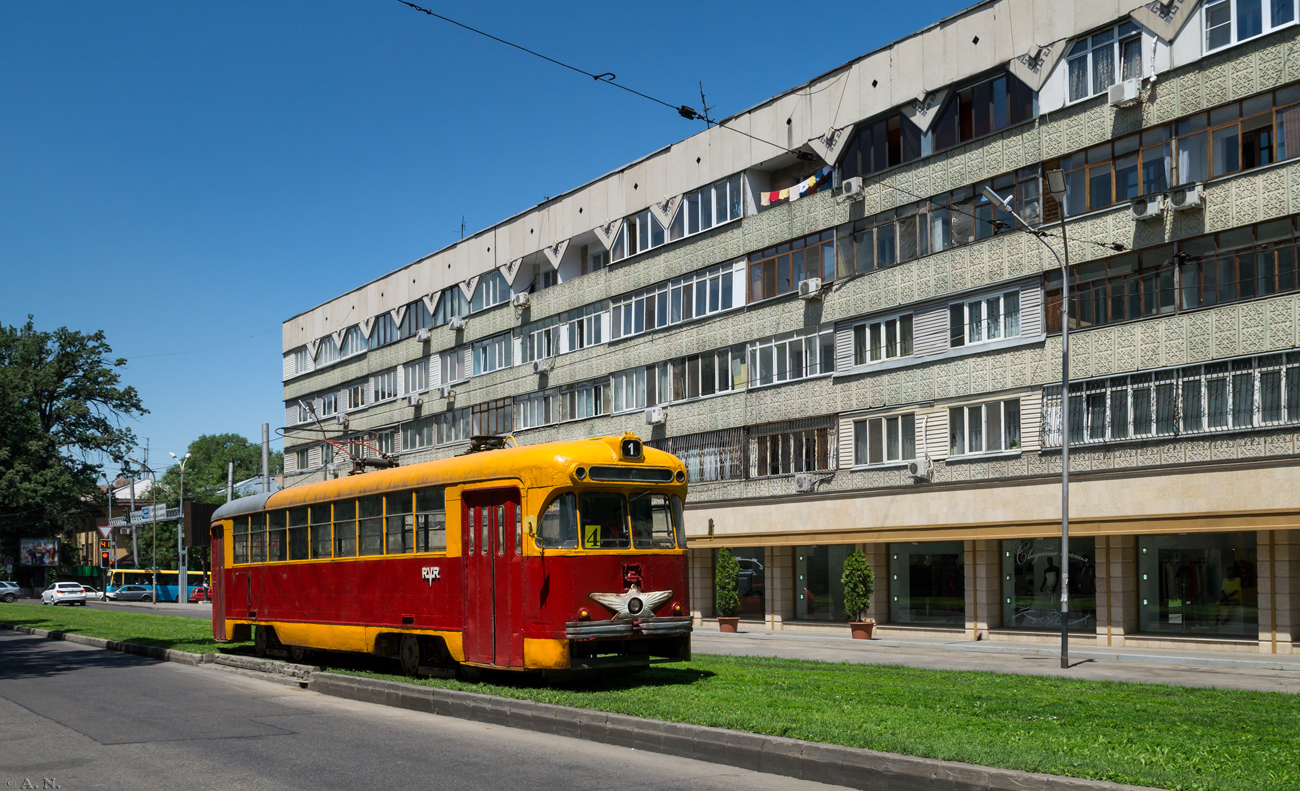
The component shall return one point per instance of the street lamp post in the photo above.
(153, 513)
(182, 562)
(1056, 188)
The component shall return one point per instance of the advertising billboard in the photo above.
(39, 552)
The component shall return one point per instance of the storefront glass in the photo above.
(819, 594)
(751, 582)
(927, 583)
(1031, 584)
(1198, 584)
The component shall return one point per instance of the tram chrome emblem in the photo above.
(632, 604)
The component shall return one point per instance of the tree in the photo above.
(859, 583)
(726, 584)
(61, 412)
(205, 472)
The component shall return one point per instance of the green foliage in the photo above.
(61, 412)
(726, 583)
(205, 472)
(859, 582)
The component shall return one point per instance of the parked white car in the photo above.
(64, 593)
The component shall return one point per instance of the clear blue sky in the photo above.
(186, 176)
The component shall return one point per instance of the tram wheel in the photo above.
(298, 653)
(469, 673)
(409, 653)
(262, 640)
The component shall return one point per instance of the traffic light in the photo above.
(105, 559)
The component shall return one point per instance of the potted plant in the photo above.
(858, 580)
(726, 590)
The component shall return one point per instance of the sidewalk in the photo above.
(1258, 672)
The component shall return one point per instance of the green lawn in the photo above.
(164, 631)
(1144, 734)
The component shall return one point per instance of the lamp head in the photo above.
(997, 199)
(1056, 183)
(173, 455)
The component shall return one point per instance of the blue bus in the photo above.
(168, 582)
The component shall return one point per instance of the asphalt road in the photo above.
(87, 718)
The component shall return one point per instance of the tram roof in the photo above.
(544, 463)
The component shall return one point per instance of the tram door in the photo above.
(492, 577)
(218, 554)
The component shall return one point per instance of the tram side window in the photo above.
(560, 524)
(257, 538)
(400, 538)
(345, 529)
(430, 521)
(277, 541)
(298, 539)
(604, 521)
(652, 521)
(371, 526)
(241, 541)
(320, 531)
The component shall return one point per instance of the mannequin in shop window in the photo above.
(1051, 578)
(1230, 597)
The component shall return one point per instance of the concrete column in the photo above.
(982, 589)
(700, 577)
(1102, 570)
(1277, 575)
(1121, 588)
(778, 594)
(878, 557)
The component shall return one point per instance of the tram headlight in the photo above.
(580, 473)
(681, 476)
(635, 605)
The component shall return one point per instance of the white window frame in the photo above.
(980, 324)
(384, 386)
(492, 288)
(302, 360)
(584, 401)
(866, 349)
(726, 194)
(864, 448)
(451, 366)
(540, 340)
(1231, 7)
(493, 353)
(329, 404)
(628, 390)
(386, 442)
(583, 327)
(535, 411)
(356, 397)
(453, 426)
(992, 414)
(774, 353)
(415, 376)
(419, 434)
(354, 343)
(1087, 49)
(302, 459)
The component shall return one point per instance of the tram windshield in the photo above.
(612, 520)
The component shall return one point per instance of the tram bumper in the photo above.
(628, 642)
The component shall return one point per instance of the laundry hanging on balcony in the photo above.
(809, 186)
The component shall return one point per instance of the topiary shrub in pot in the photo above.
(859, 582)
(726, 590)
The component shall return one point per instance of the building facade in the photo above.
(849, 345)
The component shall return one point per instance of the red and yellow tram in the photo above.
(554, 557)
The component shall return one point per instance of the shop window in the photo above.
(881, 145)
(779, 270)
(991, 427)
(752, 580)
(1200, 584)
(819, 592)
(983, 108)
(1031, 584)
(1099, 61)
(884, 440)
(927, 583)
(1229, 22)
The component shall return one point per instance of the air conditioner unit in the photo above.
(921, 468)
(456, 324)
(543, 365)
(520, 300)
(422, 335)
(851, 188)
(413, 399)
(655, 416)
(1126, 93)
(810, 288)
(341, 419)
(1191, 196)
(804, 482)
(445, 392)
(1149, 208)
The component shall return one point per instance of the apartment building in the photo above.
(850, 345)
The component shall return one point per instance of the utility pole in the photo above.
(182, 561)
(266, 458)
(230, 480)
(135, 547)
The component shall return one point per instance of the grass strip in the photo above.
(164, 631)
(1181, 738)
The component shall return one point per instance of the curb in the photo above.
(823, 763)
